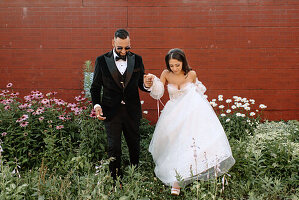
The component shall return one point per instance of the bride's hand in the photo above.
(148, 80)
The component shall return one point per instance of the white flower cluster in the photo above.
(236, 103)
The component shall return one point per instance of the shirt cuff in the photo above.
(148, 89)
(97, 105)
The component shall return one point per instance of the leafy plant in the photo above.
(52, 149)
(238, 116)
(88, 76)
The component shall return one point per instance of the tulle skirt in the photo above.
(189, 142)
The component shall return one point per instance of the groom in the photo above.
(115, 97)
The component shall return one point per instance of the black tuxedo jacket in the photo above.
(107, 90)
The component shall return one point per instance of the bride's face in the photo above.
(175, 66)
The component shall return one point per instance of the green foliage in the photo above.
(92, 139)
(267, 162)
(87, 67)
(45, 128)
(88, 76)
(11, 186)
(44, 160)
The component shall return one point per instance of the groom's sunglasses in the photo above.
(121, 48)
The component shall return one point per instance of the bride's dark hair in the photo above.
(179, 55)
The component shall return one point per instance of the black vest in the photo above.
(122, 80)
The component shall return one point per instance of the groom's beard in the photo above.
(118, 53)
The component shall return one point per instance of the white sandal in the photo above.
(175, 191)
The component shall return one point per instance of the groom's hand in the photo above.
(99, 113)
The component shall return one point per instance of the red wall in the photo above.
(248, 48)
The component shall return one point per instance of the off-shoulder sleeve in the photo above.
(157, 89)
(200, 87)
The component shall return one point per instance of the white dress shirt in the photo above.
(120, 64)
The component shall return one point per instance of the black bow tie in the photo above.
(120, 58)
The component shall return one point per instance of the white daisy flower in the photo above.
(252, 101)
(262, 106)
(247, 108)
(228, 101)
(244, 100)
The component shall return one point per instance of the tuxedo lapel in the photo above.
(130, 67)
(112, 67)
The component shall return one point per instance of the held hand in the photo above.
(148, 80)
(99, 113)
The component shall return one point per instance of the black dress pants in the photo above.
(122, 123)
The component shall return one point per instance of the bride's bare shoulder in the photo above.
(165, 73)
(192, 74)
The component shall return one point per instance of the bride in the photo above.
(189, 142)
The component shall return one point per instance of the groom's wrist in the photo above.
(147, 88)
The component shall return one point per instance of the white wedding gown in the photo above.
(188, 140)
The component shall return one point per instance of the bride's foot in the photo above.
(175, 191)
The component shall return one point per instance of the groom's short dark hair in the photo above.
(121, 33)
